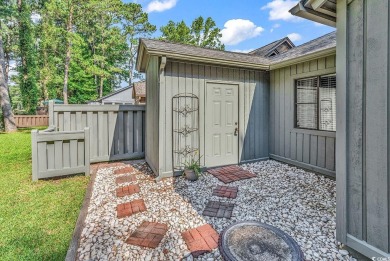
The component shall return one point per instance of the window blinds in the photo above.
(306, 98)
(316, 103)
(328, 103)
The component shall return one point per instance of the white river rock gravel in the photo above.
(301, 203)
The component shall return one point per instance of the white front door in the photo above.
(221, 126)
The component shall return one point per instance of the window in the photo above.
(315, 103)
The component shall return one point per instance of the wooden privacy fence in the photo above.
(26, 121)
(116, 131)
(60, 153)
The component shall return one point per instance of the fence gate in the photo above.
(59, 153)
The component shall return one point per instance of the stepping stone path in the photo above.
(225, 191)
(201, 240)
(231, 173)
(218, 209)
(125, 179)
(125, 170)
(127, 190)
(148, 234)
(226, 175)
(130, 208)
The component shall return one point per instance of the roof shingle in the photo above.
(266, 49)
(169, 47)
(322, 43)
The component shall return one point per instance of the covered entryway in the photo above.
(221, 124)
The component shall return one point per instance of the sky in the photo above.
(246, 24)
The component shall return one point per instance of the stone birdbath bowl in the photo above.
(251, 240)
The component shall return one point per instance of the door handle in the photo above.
(236, 131)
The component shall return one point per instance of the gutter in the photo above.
(208, 60)
(310, 14)
(195, 58)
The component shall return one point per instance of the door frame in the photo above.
(241, 114)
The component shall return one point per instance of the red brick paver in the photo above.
(95, 167)
(230, 174)
(130, 208)
(201, 240)
(127, 190)
(148, 234)
(225, 191)
(110, 165)
(125, 179)
(125, 170)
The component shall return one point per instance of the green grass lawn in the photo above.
(36, 218)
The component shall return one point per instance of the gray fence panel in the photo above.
(59, 153)
(116, 131)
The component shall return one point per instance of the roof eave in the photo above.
(201, 59)
(310, 14)
(141, 62)
(303, 58)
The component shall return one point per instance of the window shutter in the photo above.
(306, 102)
(328, 103)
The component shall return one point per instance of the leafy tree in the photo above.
(68, 51)
(97, 44)
(51, 50)
(206, 34)
(8, 117)
(5, 101)
(77, 50)
(203, 33)
(177, 32)
(27, 67)
(106, 41)
(135, 24)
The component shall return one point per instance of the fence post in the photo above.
(51, 113)
(87, 151)
(34, 149)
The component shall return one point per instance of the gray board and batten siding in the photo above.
(310, 149)
(57, 154)
(178, 77)
(152, 129)
(116, 131)
(363, 126)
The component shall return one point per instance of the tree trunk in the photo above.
(101, 88)
(7, 60)
(6, 72)
(131, 63)
(9, 121)
(68, 53)
(45, 80)
(101, 79)
(28, 66)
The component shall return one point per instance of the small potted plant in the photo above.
(192, 168)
